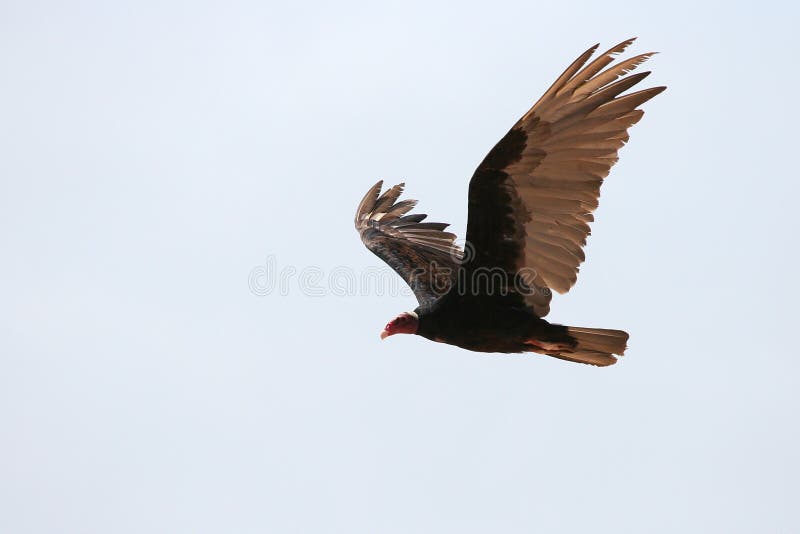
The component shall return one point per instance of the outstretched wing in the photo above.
(422, 253)
(531, 199)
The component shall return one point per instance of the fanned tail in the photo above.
(595, 346)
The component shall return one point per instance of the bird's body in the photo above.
(530, 204)
(486, 324)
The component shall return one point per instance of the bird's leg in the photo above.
(546, 347)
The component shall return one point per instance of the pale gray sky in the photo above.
(155, 153)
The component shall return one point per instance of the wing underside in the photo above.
(532, 198)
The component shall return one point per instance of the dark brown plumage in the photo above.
(530, 204)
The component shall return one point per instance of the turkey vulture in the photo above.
(530, 204)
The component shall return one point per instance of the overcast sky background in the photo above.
(155, 153)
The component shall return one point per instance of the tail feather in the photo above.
(595, 346)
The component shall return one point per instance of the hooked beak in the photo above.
(385, 334)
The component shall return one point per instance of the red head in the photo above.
(405, 323)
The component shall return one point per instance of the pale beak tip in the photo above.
(384, 335)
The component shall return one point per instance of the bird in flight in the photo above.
(529, 207)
